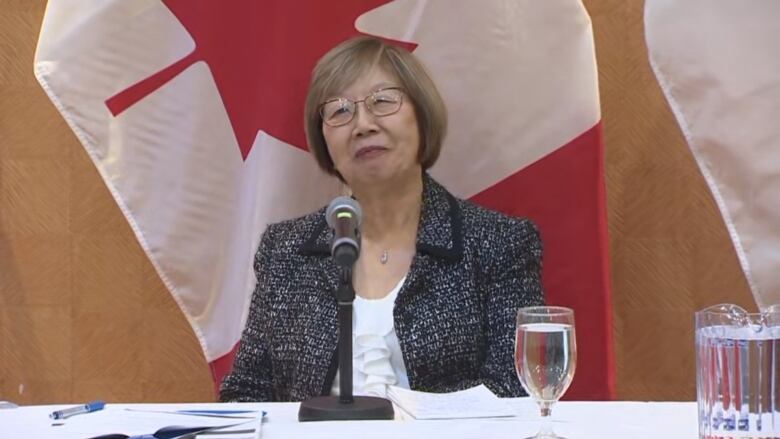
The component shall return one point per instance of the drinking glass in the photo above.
(545, 357)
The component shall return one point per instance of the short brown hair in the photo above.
(343, 65)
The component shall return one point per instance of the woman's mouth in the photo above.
(368, 152)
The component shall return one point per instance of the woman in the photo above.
(438, 281)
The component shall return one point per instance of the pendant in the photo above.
(385, 256)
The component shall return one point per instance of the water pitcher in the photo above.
(738, 372)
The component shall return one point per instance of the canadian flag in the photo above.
(192, 112)
(723, 85)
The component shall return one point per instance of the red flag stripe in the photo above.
(563, 193)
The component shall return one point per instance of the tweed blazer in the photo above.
(454, 315)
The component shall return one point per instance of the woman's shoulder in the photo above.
(498, 240)
(483, 222)
(301, 223)
(291, 234)
(481, 229)
(473, 218)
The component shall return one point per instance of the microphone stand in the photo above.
(345, 407)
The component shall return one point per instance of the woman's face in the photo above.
(369, 149)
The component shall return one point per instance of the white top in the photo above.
(376, 354)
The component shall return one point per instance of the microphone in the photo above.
(344, 216)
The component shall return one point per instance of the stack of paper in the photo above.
(477, 402)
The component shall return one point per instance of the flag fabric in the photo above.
(723, 86)
(192, 112)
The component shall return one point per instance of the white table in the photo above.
(573, 420)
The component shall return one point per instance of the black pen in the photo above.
(77, 410)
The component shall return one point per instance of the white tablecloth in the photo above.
(573, 420)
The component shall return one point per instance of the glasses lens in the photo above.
(384, 102)
(337, 112)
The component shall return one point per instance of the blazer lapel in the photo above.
(440, 231)
(317, 245)
(439, 237)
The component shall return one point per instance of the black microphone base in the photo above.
(329, 408)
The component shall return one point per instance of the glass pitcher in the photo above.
(738, 372)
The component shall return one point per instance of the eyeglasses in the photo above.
(383, 102)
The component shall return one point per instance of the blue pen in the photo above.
(77, 410)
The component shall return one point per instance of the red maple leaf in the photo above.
(260, 54)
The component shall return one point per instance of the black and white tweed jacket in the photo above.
(454, 315)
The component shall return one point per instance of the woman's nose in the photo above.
(365, 121)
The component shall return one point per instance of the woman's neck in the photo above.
(390, 210)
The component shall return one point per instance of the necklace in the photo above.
(385, 256)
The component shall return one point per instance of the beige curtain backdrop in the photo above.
(84, 316)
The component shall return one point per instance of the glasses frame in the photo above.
(364, 101)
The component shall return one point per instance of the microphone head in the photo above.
(344, 206)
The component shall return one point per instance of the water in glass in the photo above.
(545, 359)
